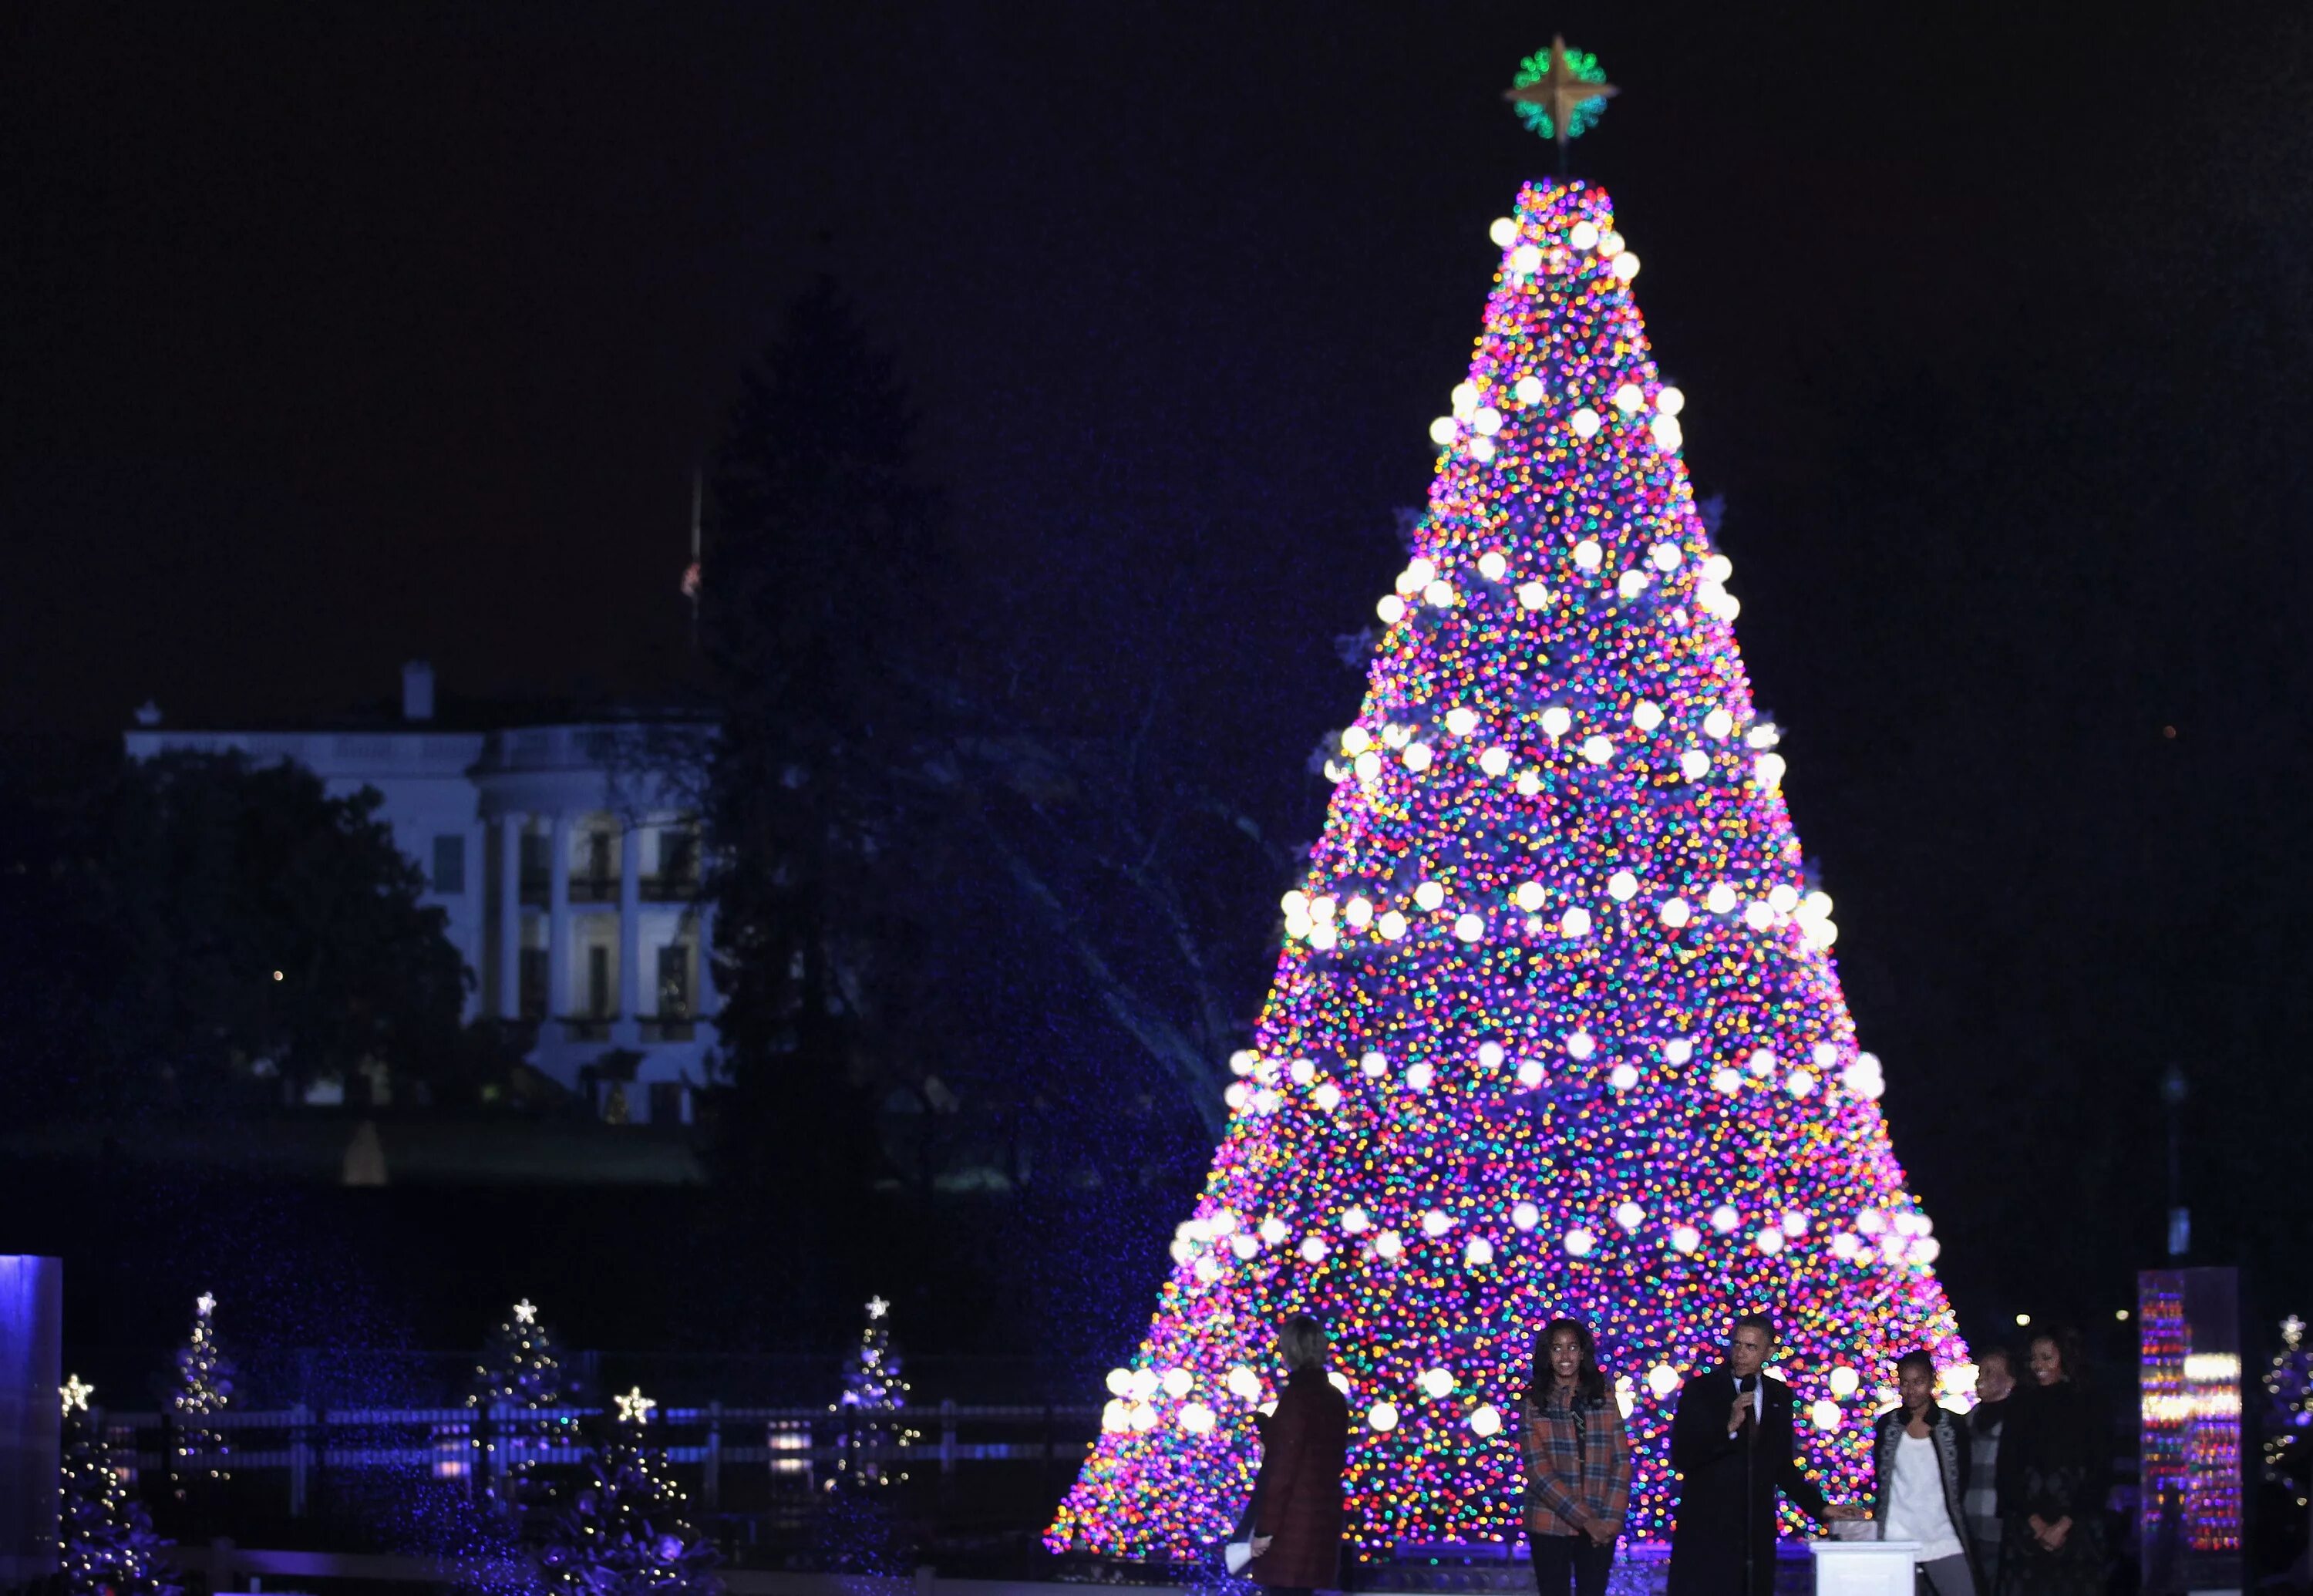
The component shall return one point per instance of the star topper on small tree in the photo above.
(1560, 93)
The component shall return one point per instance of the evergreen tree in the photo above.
(106, 1544)
(2289, 1408)
(622, 1530)
(204, 1390)
(1556, 1027)
(815, 598)
(872, 1409)
(517, 1395)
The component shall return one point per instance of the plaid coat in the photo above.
(1578, 1465)
(1298, 1496)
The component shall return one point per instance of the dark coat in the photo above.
(1955, 1458)
(1304, 1445)
(1714, 1519)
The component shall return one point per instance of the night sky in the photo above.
(340, 334)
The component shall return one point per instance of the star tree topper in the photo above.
(1560, 93)
(634, 1408)
(75, 1392)
(526, 1313)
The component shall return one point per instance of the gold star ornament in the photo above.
(634, 1408)
(1558, 92)
(76, 1391)
(526, 1313)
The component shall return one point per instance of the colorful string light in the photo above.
(1555, 1028)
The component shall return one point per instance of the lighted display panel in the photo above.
(2190, 1380)
(1556, 1026)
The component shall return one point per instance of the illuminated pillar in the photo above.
(31, 1354)
(2189, 1505)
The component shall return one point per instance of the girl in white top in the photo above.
(1920, 1457)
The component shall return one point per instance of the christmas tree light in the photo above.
(106, 1545)
(518, 1386)
(1555, 1028)
(872, 1408)
(204, 1390)
(622, 1530)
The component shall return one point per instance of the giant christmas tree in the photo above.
(1555, 1028)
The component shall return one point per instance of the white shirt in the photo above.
(1916, 1510)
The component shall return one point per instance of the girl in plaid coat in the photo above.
(1578, 1463)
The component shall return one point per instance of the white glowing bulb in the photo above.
(1526, 1216)
(1718, 567)
(1579, 1242)
(1356, 912)
(1146, 1383)
(1822, 933)
(1646, 715)
(1530, 1074)
(1526, 259)
(1770, 767)
(1718, 723)
(1666, 556)
(1623, 1077)
(1631, 584)
(1479, 1253)
(1464, 400)
(1757, 915)
(1532, 595)
(1444, 431)
(1726, 1078)
(1355, 1220)
(1556, 720)
(1529, 782)
(1392, 925)
(1583, 235)
(1588, 555)
(1844, 1380)
(1502, 231)
(1610, 242)
(1770, 1242)
(1598, 748)
(1437, 1222)
(1242, 1061)
(1581, 1046)
(1761, 1061)
(1674, 912)
(1629, 1215)
(1796, 1224)
(1481, 450)
(1685, 1239)
(1816, 905)
(1584, 422)
(1116, 1418)
(1495, 762)
(1489, 1056)
(1273, 1231)
(1430, 895)
(1374, 1065)
(1420, 1076)
(1323, 907)
(1470, 927)
(1143, 1417)
(1294, 903)
(1313, 1248)
(1677, 1050)
(1178, 1382)
(1388, 1245)
(1327, 1096)
(1382, 1418)
(1486, 1421)
(1694, 765)
(1391, 609)
(1720, 899)
(1244, 1244)
(1120, 1382)
(1438, 595)
(1368, 766)
(1622, 886)
(1462, 720)
(1529, 390)
(1488, 420)
(1529, 896)
(1825, 1414)
(1801, 1083)
(1237, 1095)
(1782, 897)
(1628, 398)
(1323, 938)
(1670, 402)
(1662, 1379)
(1492, 565)
(1436, 1382)
(1626, 266)
(1667, 433)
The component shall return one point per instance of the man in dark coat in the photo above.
(1731, 1443)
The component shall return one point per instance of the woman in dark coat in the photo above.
(2055, 1453)
(1296, 1545)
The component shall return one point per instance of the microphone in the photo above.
(1746, 1385)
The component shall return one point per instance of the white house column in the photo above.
(510, 830)
(630, 935)
(558, 922)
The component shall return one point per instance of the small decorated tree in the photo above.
(204, 1390)
(105, 1543)
(517, 1393)
(2289, 1407)
(622, 1530)
(872, 1409)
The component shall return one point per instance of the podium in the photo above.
(1865, 1567)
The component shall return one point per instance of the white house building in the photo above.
(571, 882)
